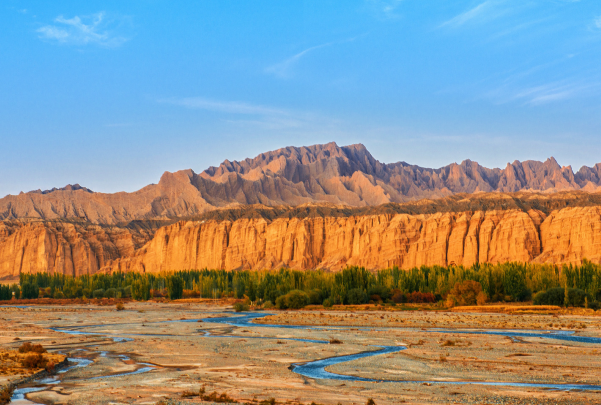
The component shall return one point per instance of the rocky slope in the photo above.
(64, 248)
(373, 241)
(347, 175)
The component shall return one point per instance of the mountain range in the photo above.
(347, 175)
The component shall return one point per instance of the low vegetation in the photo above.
(566, 285)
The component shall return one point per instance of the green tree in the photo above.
(175, 287)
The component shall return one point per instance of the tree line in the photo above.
(353, 285)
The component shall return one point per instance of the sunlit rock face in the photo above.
(372, 241)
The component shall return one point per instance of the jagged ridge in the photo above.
(347, 175)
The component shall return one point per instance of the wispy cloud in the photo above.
(485, 11)
(598, 22)
(283, 69)
(231, 107)
(385, 8)
(545, 93)
(266, 117)
(94, 29)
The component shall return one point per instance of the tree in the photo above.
(175, 287)
(356, 296)
(30, 290)
(465, 293)
(140, 289)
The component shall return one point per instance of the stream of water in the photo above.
(313, 369)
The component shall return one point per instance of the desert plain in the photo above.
(165, 353)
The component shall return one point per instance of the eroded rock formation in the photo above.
(63, 248)
(372, 241)
(347, 175)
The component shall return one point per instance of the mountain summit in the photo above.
(347, 175)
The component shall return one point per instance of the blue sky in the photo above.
(111, 94)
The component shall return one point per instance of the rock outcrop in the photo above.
(372, 241)
(63, 248)
(347, 175)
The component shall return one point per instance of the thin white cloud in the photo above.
(95, 29)
(256, 115)
(230, 107)
(485, 11)
(598, 22)
(283, 69)
(385, 8)
(545, 93)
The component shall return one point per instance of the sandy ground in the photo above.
(242, 363)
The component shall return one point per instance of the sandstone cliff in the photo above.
(372, 241)
(63, 248)
(347, 175)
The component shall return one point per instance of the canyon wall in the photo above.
(63, 248)
(373, 241)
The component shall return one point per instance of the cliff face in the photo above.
(373, 241)
(347, 175)
(63, 248)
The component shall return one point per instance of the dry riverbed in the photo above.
(147, 354)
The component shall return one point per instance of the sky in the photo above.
(110, 94)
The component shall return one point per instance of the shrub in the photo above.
(126, 292)
(34, 360)
(268, 305)
(99, 293)
(557, 296)
(30, 348)
(420, 297)
(295, 299)
(110, 293)
(241, 307)
(398, 296)
(327, 303)
(356, 296)
(382, 292)
(58, 294)
(315, 297)
(191, 294)
(482, 298)
(465, 293)
(120, 306)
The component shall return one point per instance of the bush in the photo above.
(126, 292)
(58, 294)
(420, 297)
(30, 348)
(34, 360)
(295, 299)
(241, 307)
(99, 293)
(356, 296)
(120, 306)
(556, 296)
(315, 297)
(382, 292)
(465, 293)
(268, 305)
(398, 296)
(327, 303)
(191, 294)
(110, 293)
